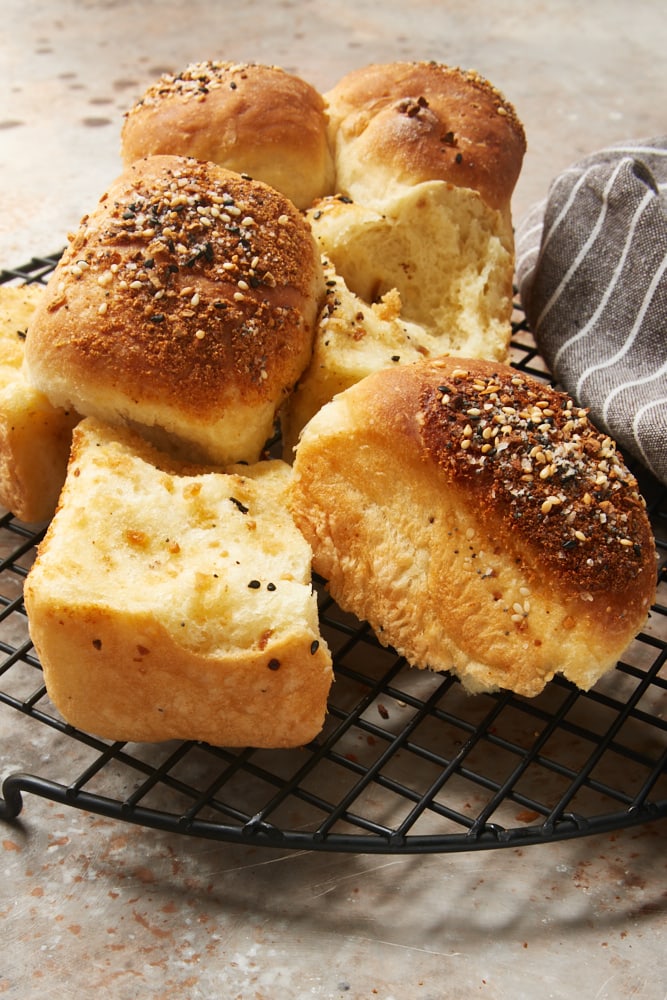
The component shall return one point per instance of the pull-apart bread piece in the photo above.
(168, 602)
(394, 125)
(254, 119)
(427, 157)
(184, 307)
(479, 522)
(35, 436)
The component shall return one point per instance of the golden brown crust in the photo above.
(479, 522)
(190, 290)
(247, 117)
(419, 121)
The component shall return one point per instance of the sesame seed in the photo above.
(200, 334)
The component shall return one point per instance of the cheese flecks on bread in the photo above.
(168, 602)
(34, 435)
(479, 522)
(251, 118)
(184, 307)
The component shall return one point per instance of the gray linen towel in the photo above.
(591, 267)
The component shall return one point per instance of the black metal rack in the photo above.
(407, 762)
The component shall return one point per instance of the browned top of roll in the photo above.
(188, 285)
(533, 465)
(248, 117)
(427, 121)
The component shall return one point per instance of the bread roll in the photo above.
(34, 435)
(426, 158)
(176, 603)
(402, 123)
(479, 522)
(184, 307)
(254, 119)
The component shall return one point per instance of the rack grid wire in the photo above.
(407, 762)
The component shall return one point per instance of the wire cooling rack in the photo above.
(406, 762)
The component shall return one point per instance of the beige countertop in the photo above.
(91, 906)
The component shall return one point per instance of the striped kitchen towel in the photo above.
(591, 263)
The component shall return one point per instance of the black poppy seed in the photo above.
(241, 506)
(314, 646)
(570, 543)
(271, 586)
(254, 585)
(274, 664)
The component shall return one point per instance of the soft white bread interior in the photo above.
(479, 522)
(35, 436)
(438, 254)
(184, 307)
(354, 339)
(444, 252)
(248, 117)
(168, 602)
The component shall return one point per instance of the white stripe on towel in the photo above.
(587, 245)
(646, 302)
(648, 197)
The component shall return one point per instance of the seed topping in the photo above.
(538, 460)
